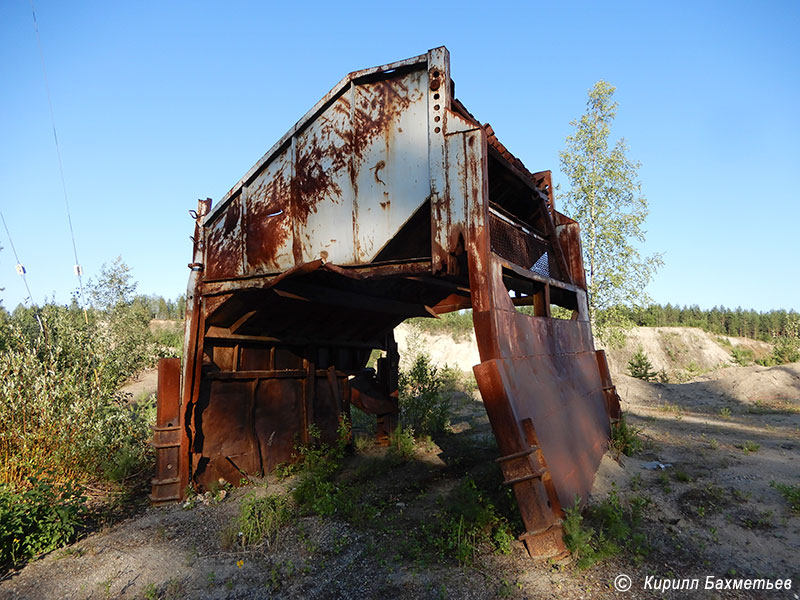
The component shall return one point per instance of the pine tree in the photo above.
(639, 366)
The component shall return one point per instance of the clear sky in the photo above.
(158, 104)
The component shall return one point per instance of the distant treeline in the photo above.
(159, 308)
(155, 306)
(721, 320)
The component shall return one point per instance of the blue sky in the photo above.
(160, 103)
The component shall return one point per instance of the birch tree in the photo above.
(606, 198)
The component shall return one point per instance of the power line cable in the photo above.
(78, 268)
(22, 273)
(20, 266)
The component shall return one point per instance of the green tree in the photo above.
(640, 366)
(115, 285)
(605, 196)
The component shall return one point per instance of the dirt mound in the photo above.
(443, 349)
(756, 384)
(681, 352)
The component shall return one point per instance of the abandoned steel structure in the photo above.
(387, 200)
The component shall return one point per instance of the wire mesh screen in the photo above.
(518, 247)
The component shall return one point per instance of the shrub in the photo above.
(60, 409)
(37, 519)
(315, 490)
(742, 356)
(606, 529)
(402, 444)
(59, 374)
(625, 439)
(424, 405)
(639, 366)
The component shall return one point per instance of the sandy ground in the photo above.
(712, 512)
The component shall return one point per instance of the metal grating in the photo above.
(518, 247)
(542, 266)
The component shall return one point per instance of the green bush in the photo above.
(424, 403)
(639, 366)
(60, 409)
(625, 439)
(742, 356)
(37, 519)
(603, 530)
(315, 490)
(402, 445)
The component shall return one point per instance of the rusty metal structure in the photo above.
(387, 200)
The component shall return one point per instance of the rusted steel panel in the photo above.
(223, 238)
(569, 237)
(364, 155)
(562, 395)
(268, 235)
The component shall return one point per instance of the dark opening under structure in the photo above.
(387, 200)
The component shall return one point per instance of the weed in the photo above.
(681, 475)
(757, 520)
(150, 592)
(725, 412)
(748, 447)
(260, 519)
(315, 490)
(625, 439)
(361, 442)
(669, 408)
(174, 590)
(663, 479)
(694, 369)
(791, 493)
(469, 522)
(713, 443)
(402, 444)
(578, 537)
(702, 501)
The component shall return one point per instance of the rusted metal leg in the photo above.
(523, 468)
(388, 377)
(609, 389)
(167, 433)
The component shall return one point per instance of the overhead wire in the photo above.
(78, 268)
(22, 273)
(20, 266)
